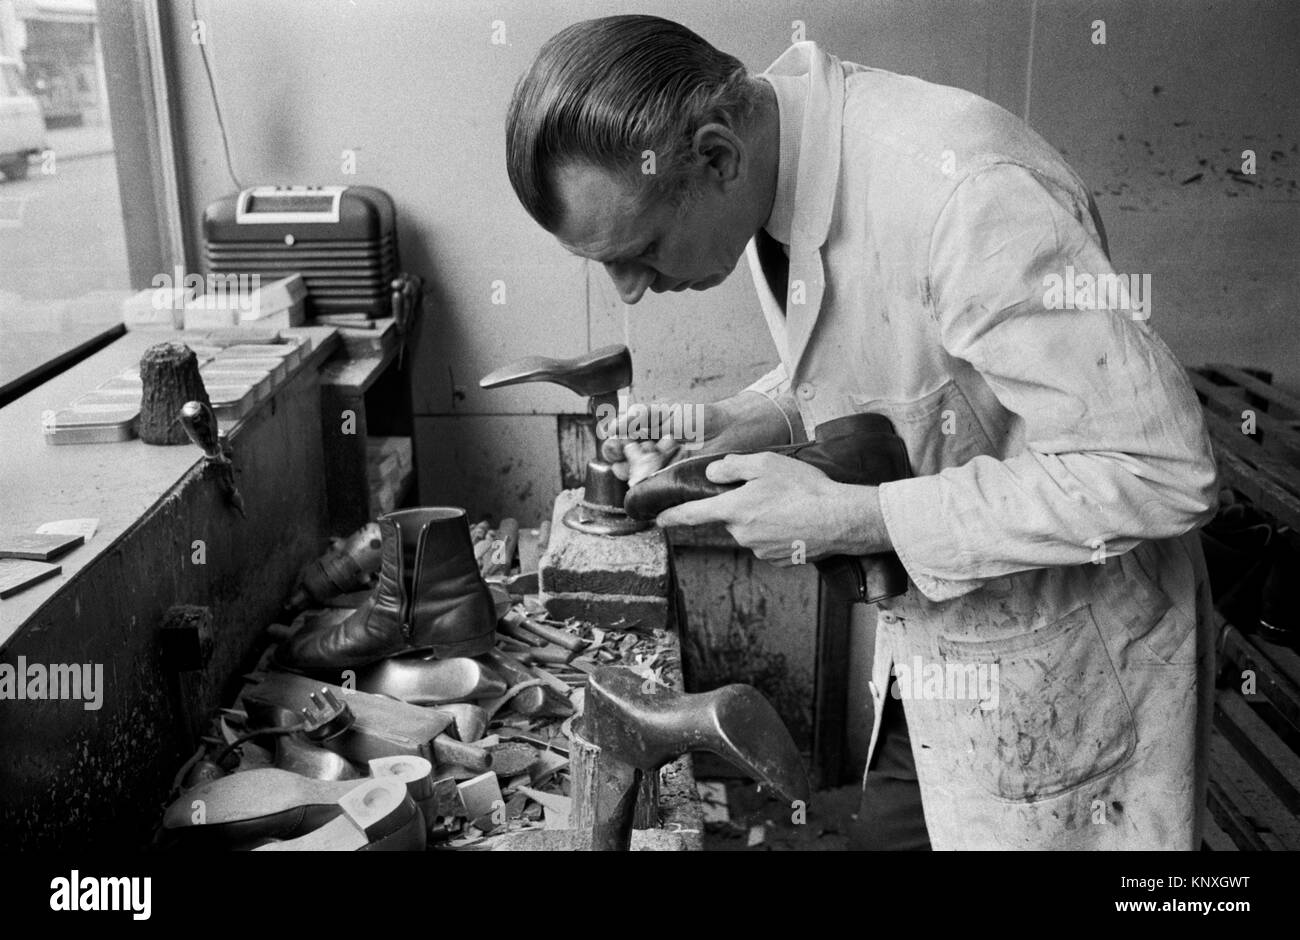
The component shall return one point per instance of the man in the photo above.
(905, 240)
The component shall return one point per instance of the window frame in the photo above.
(143, 122)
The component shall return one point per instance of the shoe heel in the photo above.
(372, 811)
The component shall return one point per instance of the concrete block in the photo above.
(577, 563)
(614, 611)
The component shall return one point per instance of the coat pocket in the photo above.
(1059, 717)
(940, 429)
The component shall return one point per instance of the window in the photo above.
(76, 110)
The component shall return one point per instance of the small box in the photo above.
(268, 365)
(290, 353)
(198, 316)
(237, 336)
(280, 319)
(231, 402)
(259, 382)
(103, 423)
(287, 294)
(125, 394)
(157, 307)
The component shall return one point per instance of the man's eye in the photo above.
(650, 249)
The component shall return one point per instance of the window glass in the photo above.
(63, 259)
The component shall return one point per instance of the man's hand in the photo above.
(744, 422)
(787, 512)
(633, 458)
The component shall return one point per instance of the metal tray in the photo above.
(231, 402)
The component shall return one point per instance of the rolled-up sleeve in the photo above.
(1115, 448)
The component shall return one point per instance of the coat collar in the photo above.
(791, 92)
(809, 86)
(808, 182)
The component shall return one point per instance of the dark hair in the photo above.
(607, 90)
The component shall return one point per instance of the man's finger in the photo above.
(697, 512)
(740, 468)
(667, 445)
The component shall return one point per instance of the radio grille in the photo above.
(347, 265)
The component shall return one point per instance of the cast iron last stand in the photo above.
(632, 726)
(599, 375)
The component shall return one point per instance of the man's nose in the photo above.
(631, 280)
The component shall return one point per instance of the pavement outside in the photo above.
(71, 143)
(61, 231)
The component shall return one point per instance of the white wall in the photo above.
(418, 89)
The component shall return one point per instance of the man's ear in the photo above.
(720, 152)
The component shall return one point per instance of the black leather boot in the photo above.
(861, 449)
(430, 597)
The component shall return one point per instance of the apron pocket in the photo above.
(1149, 615)
(1059, 718)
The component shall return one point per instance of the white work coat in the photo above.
(1059, 456)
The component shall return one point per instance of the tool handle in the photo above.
(558, 637)
(512, 625)
(201, 425)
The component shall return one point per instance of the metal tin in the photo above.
(93, 423)
(291, 353)
(260, 382)
(232, 402)
(266, 364)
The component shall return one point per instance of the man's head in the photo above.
(639, 145)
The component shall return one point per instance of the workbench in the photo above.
(80, 778)
(90, 778)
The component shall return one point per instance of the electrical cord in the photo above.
(216, 105)
(249, 735)
(179, 779)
